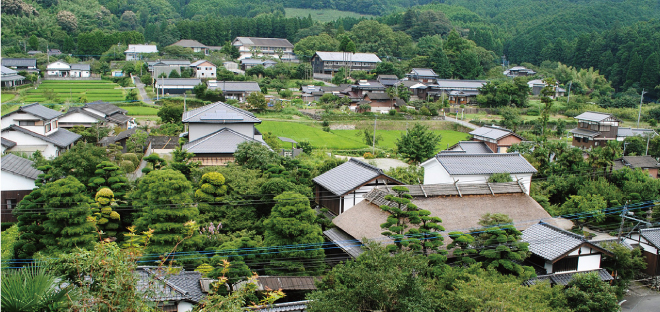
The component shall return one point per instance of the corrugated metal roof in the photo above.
(347, 243)
(264, 42)
(178, 81)
(8, 71)
(468, 164)
(347, 56)
(652, 235)
(347, 176)
(20, 166)
(565, 278)
(287, 282)
(141, 48)
(223, 141)
(80, 67)
(218, 112)
(640, 161)
(593, 116)
(628, 132)
(550, 242)
(584, 132)
(494, 133)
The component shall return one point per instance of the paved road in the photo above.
(143, 93)
(462, 123)
(641, 299)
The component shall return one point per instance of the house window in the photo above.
(48, 127)
(566, 264)
(604, 128)
(26, 122)
(11, 203)
(594, 127)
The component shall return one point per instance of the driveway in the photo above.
(462, 123)
(641, 299)
(143, 93)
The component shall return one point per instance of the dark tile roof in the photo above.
(347, 243)
(471, 147)
(60, 137)
(223, 141)
(80, 67)
(494, 133)
(283, 307)
(378, 96)
(565, 278)
(19, 62)
(550, 242)
(163, 142)
(264, 42)
(160, 286)
(348, 176)
(37, 110)
(8, 143)
(424, 72)
(188, 43)
(219, 112)
(584, 132)
(287, 282)
(234, 86)
(628, 132)
(594, 116)
(469, 164)
(388, 77)
(105, 108)
(652, 235)
(20, 166)
(640, 161)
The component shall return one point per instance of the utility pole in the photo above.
(568, 99)
(373, 143)
(648, 139)
(641, 99)
(623, 214)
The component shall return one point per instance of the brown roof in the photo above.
(457, 213)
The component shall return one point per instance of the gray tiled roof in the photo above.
(80, 110)
(472, 147)
(223, 141)
(178, 81)
(458, 84)
(378, 96)
(424, 72)
(468, 164)
(550, 242)
(652, 235)
(628, 132)
(264, 42)
(80, 67)
(565, 278)
(347, 243)
(219, 112)
(7, 71)
(19, 62)
(604, 242)
(235, 86)
(283, 307)
(170, 287)
(61, 137)
(640, 161)
(8, 143)
(388, 77)
(20, 166)
(188, 43)
(347, 176)
(494, 133)
(37, 110)
(593, 116)
(141, 48)
(347, 56)
(584, 132)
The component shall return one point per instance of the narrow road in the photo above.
(143, 93)
(462, 123)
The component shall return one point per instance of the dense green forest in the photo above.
(618, 38)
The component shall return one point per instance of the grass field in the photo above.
(140, 110)
(346, 139)
(6, 97)
(324, 15)
(71, 91)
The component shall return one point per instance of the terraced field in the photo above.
(71, 91)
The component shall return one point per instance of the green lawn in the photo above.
(6, 97)
(345, 139)
(140, 110)
(323, 16)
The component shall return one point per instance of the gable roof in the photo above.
(595, 116)
(223, 141)
(283, 282)
(552, 243)
(189, 43)
(61, 137)
(493, 133)
(184, 286)
(105, 107)
(20, 166)
(165, 82)
(348, 56)
(388, 77)
(37, 110)
(141, 48)
(378, 96)
(457, 213)
(200, 62)
(264, 42)
(652, 235)
(628, 132)
(19, 62)
(8, 143)
(80, 110)
(219, 112)
(459, 84)
(80, 67)
(348, 176)
(640, 161)
(471, 147)
(234, 86)
(469, 164)
(423, 72)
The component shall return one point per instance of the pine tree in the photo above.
(109, 175)
(299, 240)
(503, 250)
(107, 221)
(211, 195)
(68, 208)
(463, 247)
(164, 197)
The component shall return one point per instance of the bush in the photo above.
(306, 147)
(285, 93)
(326, 129)
(325, 123)
(127, 166)
(132, 158)
(368, 155)
(533, 112)
(392, 112)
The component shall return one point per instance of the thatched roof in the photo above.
(457, 213)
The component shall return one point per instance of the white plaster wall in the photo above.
(24, 139)
(14, 119)
(206, 72)
(197, 130)
(548, 267)
(434, 173)
(58, 66)
(184, 306)
(590, 262)
(13, 182)
(78, 118)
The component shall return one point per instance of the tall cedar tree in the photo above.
(107, 221)
(211, 195)
(164, 198)
(68, 208)
(291, 227)
(418, 144)
(546, 93)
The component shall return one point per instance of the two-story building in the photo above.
(649, 241)
(425, 75)
(595, 129)
(238, 90)
(160, 67)
(98, 112)
(498, 139)
(558, 254)
(34, 128)
(204, 69)
(456, 91)
(253, 47)
(216, 130)
(10, 78)
(331, 62)
(138, 51)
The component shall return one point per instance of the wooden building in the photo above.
(595, 129)
(498, 139)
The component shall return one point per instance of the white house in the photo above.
(216, 130)
(238, 90)
(18, 176)
(136, 51)
(63, 69)
(96, 112)
(204, 69)
(253, 47)
(561, 254)
(463, 168)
